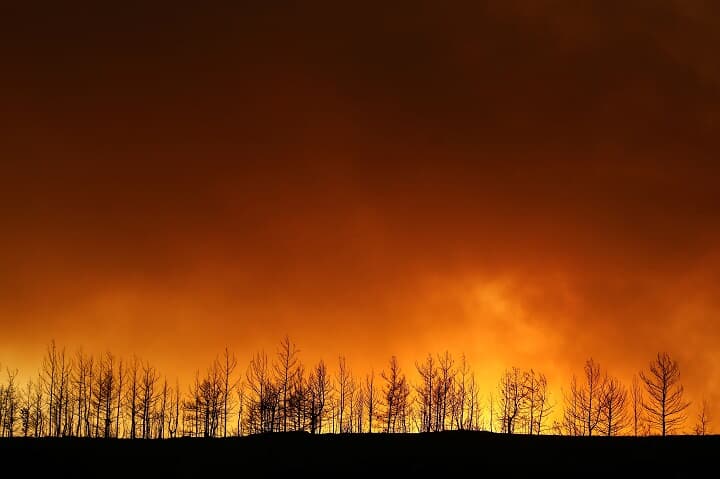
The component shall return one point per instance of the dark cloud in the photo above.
(328, 166)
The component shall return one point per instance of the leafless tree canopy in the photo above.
(665, 406)
(106, 396)
(703, 419)
(597, 404)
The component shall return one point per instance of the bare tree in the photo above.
(25, 409)
(584, 406)
(148, 398)
(96, 397)
(240, 390)
(108, 389)
(533, 383)
(465, 397)
(263, 395)
(285, 369)
(9, 407)
(297, 403)
(491, 402)
(38, 417)
(358, 406)
(64, 371)
(351, 403)
(89, 392)
(133, 396)
(614, 412)
(474, 412)
(319, 385)
(173, 410)
(229, 365)
(106, 397)
(82, 372)
(209, 400)
(425, 391)
(703, 419)
(49, 373)
(545, 405)
(637, 401)
(192, 410)
(370, 398)
(395, 393)
(344, 390)
(163, 412)
(120, 390)
(536, 406)
(511, 394)
(444, 387)
(665, 406)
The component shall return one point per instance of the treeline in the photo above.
(109, 397)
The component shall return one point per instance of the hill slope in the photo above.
(371, 455)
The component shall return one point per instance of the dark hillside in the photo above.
(468, 453)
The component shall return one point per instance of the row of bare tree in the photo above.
(523, 402)
(105, 396)
(600, 404)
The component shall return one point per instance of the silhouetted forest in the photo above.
(106, 396)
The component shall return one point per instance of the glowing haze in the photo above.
(529, 183)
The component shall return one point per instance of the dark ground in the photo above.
(450, 454)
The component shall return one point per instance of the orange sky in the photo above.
(532, 183)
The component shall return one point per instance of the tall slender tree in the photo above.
(511, 394)
(370, 398)
(425, 391)
(614, 411)
(229, 365)
(287, 356)
(636, 396)
(344, 391)
(703, 419)
(665, 406)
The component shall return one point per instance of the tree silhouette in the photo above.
(285, 370)
(428, 374)
(297, 403)
(263, 395)
(395, 393)
(585, 405)
(344, 391)
(174, 410)
(511, 394)
(83, 371)
(121, 377)
(462, 398)
(319, 390)
(104, 396)
(703, 419)
(614, 412)
(444, 388)
(637, 401)
(25, 409)
(240, 391)
(49, 374)
(474, 412)
(229, 365)
(371, 398)
(148, 398)
(163, 411)
(358, 406)
(665, 406)
(8, 405)
(537, 405)
(133, 396)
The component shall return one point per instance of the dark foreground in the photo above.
(472, 454)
